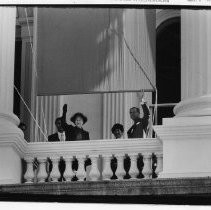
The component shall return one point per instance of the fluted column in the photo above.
(44, 108)
(47, 110)
(116, 110)
(195, 63)
(7, 49)
(113, 112)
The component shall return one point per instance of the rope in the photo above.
(27, 20)
(43, 114)
(154, 120)
(30, 113)
(154, 117)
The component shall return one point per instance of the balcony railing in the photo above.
(109, 159)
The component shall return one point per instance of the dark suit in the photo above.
(55, 137)
(75, 134)
(79, 134)
(136, 130)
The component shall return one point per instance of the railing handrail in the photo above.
(93, 147)
(163, 105)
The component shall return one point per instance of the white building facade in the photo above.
(182, 143)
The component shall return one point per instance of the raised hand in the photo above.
(140, 95)
(65, 108)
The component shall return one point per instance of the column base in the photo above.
(12, 147)
(200, 106)
(186, 146)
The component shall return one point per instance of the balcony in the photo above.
(101, 153)
(94, 183)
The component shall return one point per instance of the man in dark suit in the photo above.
(60, 135)
(140, 124)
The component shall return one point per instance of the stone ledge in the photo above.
(181, 186)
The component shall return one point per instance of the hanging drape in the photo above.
(84, 50)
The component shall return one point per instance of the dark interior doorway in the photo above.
(17, 72)
(168, 66)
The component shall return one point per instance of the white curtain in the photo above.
(83, 50)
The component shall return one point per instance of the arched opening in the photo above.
(168, 67)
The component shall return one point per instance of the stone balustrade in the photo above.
(109, 159)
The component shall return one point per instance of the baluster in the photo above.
(68, 173)
(120, 171)
(107, 172)
(94, 173)
(42, 174)
(35, 168)
(81, 174)
(55, 174)
(147, 170)
(133, 167)
(29, 174)
(159, 167)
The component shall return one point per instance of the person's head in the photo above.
(79, 119)
(58, 123)
(134, 113)
(22, 126)
(117, 130)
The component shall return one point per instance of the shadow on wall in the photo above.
(67, 49)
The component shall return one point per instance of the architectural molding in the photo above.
(163, 15)
(180, 132)
(184, 175)
(9, 117)
(93, 147)
(199, 106)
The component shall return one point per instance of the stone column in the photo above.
(44, 108)
(187, 137)
(10, 136)
(195, 63)
(27, 76)
(7, 49)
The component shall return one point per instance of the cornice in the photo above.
(187, 132)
